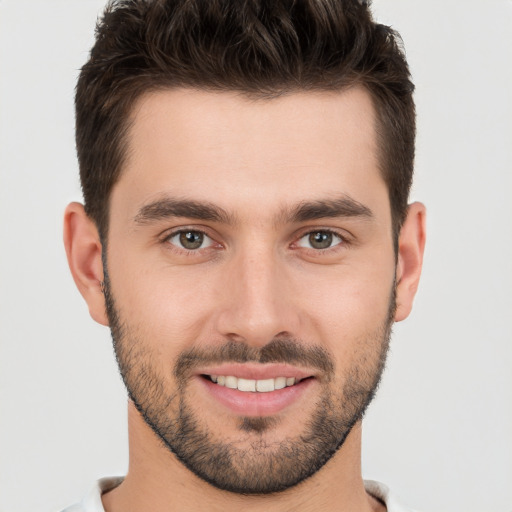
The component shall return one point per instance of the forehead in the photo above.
(229, 148)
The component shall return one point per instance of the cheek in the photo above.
(168, 305)
(350, 307)
(174, 306)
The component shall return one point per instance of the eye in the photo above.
(319, 240)
(190, 240)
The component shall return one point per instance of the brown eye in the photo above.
(320, 240)
(190, 240)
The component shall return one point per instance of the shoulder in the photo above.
(382, 493)
(92, 501)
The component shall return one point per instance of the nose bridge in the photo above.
(256, 305)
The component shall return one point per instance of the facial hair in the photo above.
(262, 467)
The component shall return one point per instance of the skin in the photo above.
(257, 160)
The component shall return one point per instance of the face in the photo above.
(250, 278)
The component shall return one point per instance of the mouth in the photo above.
(254, 385)
(255, 390)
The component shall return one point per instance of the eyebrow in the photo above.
(308, 210)
(169, 207)
(331, 208)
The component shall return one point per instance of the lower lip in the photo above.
(253, 403)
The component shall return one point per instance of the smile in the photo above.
(256, 390)
(253, 385)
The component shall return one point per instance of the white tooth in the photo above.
(221, 380)
(214, 378)
(231, 382)
(246, 385)
(265, 385)
(290, 381)
(280, 383)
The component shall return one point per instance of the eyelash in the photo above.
(166, 239)
(345, 241)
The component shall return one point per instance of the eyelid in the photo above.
(344, 236)
(308, 235)
(167, 235)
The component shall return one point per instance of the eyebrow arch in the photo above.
(331, 208)
(169, 207)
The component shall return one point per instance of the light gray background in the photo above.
(440, 430)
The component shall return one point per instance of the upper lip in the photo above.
(256, 371)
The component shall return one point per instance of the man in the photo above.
(247, 238)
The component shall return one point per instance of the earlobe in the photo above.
(411, 247)
(84, 251)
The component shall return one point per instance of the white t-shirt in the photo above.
(92, 502)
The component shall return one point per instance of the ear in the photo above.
(411, 246)
(83, 249)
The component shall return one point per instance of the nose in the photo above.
(257, 302)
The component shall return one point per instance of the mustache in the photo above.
(288, 350)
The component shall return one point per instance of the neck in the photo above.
(159, 482)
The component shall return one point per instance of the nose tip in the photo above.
(255, 322)
(256, 305)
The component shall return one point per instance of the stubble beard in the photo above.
(260, 466)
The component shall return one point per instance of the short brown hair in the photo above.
(258, 47)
